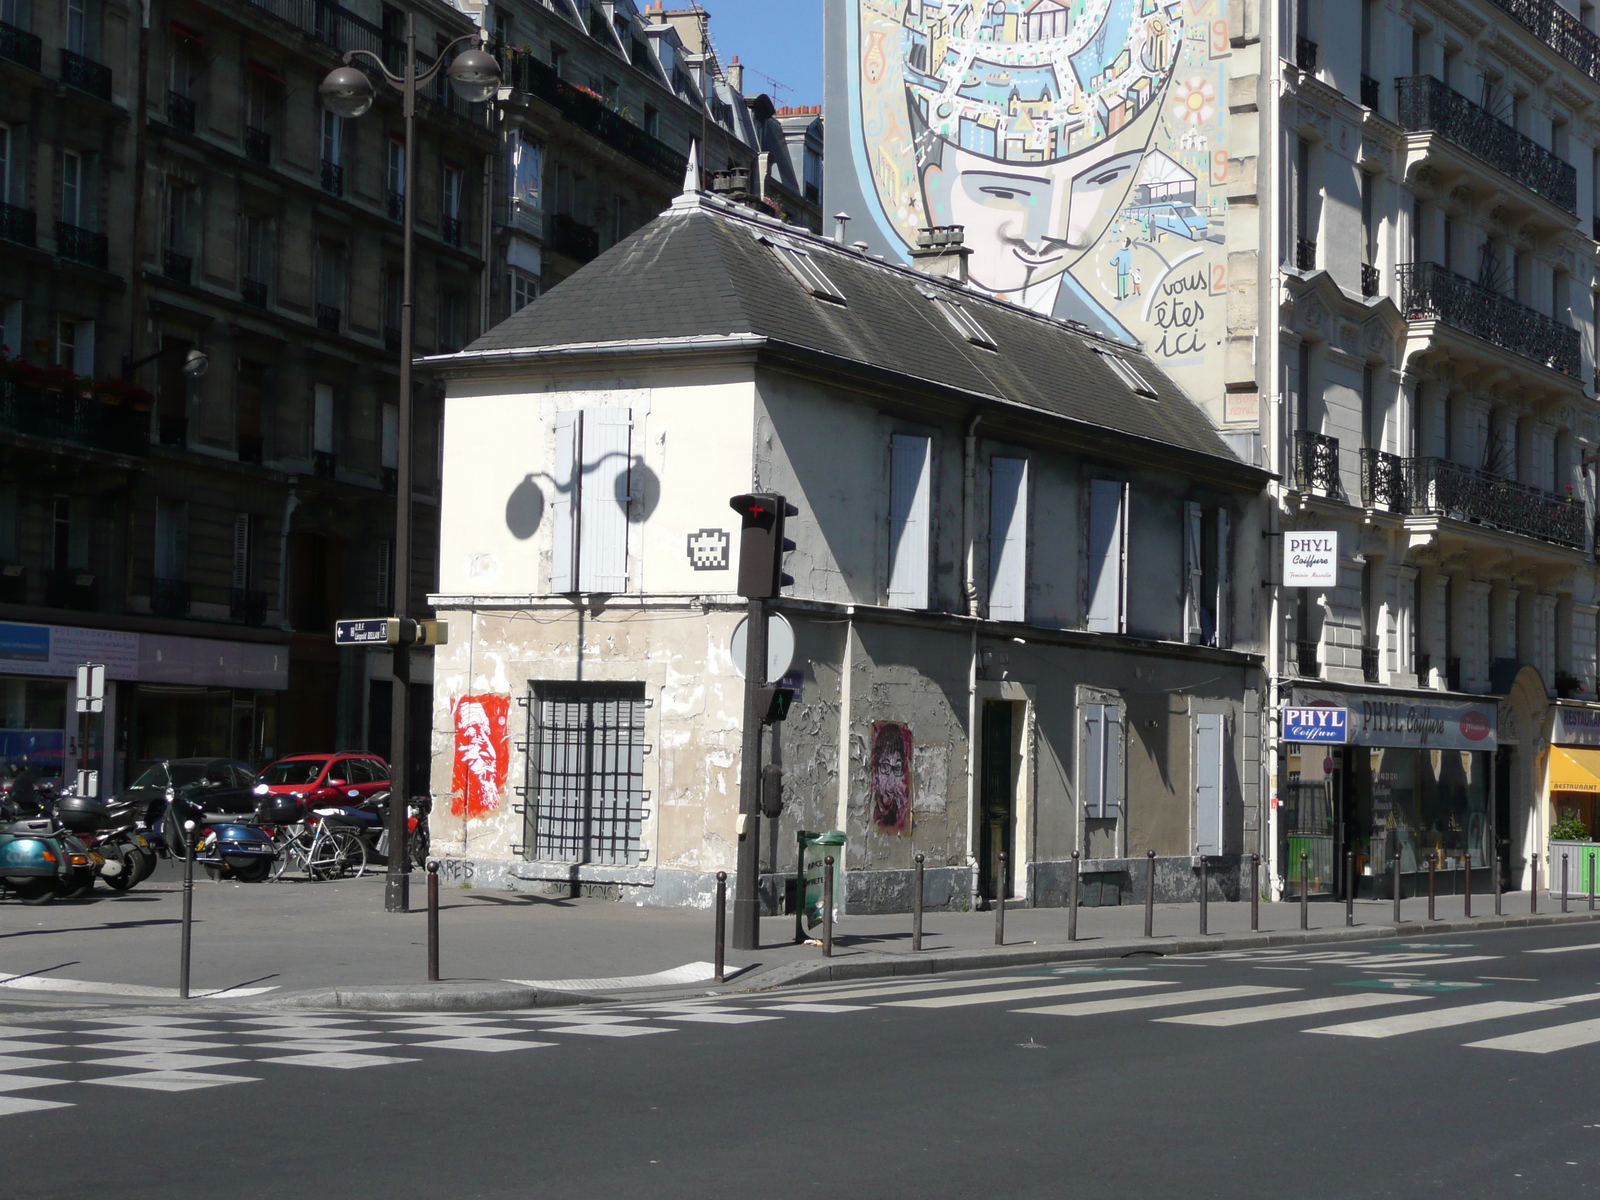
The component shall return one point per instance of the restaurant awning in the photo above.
(1574, 770)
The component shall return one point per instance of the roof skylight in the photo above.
(805, 268)
(964, 322)
(1128, 373)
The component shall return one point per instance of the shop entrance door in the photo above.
(1310, 820)
(996, 798)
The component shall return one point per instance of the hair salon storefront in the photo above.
(1412, 776)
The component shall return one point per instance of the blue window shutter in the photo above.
(1193, 568)
(1208, 747)
(1111, 789)
(1107, 538)
(564, 503)
(1008, 539)
(606, 494)
(910, 501)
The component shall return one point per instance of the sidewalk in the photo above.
(299, 942)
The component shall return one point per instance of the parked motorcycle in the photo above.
(227, 845)
(130, 856)
(370, 819)
(40, 860)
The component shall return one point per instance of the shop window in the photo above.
(33, 721)
(585, 802)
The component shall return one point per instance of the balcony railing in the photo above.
(18, 225)
(1559, 30)
(332, 178)
(1428, 292)
(1429, 106)
(1305, 54)
(1369, 280)
(1383, 481)
(1316, 462)
(253, 292)
(69, 588)
(1305, 659)
(258, 145)
(397, 206)
(20, 46)
(335, 26)
(169, 597)
(85, 74)
(68, 417)
(177, 267)
(450, 231)
(1371, 91)
(81, 245)
(180, 112)
(1305, 254)
(328, 318)
(526, 73)
(248, 606)
(1369, 662)
(1439, 487)
(575, 240)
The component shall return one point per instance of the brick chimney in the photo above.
(736, 75)
(941, 251)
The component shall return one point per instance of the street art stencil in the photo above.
(891, 777)
(1079, 142)
(482, 754)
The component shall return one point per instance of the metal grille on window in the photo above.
(585, 801)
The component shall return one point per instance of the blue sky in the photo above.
(775, 40)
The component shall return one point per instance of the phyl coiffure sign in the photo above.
(1310, 559)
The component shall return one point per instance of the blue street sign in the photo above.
(364, 633)
(1316, 725)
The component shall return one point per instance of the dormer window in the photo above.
(963, 321)
(1128, 373)
(805, 268)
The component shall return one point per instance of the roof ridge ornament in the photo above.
(691, 172)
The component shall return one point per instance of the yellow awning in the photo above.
(1574, 770)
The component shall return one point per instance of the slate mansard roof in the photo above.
(707, 269)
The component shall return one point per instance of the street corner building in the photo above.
(1026, 585)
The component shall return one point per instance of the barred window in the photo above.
(585, 799)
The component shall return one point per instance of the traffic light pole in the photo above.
(746, 903)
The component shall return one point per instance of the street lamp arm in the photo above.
(422, 77)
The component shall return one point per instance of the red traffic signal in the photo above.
(761, 542)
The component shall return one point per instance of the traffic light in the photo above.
(772, 702)
(761, 543)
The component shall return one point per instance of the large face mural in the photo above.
(1077, 141)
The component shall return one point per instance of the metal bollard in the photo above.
(1000, 904)
(433, 920)
(1466, 883)
(1494, 874)
(1563, 881)
(1397, 887)
(827, 907)
(1072, 902)
(188, 906)
(1150, 893)
(1203, 889)
(722, 920)
(1305, 892)
(1349, 887)
(1433, 862)
(1255, 893)
(1533, 896)
(1589, 858)
(916, 910)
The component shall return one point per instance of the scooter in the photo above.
(130, 856)
(371, 821)
(39, 860)
(229, 847)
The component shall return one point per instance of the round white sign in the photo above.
(780, 647)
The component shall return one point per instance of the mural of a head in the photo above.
(1026, 120)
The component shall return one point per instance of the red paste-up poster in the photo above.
(482, 754)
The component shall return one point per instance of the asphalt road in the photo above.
(1462, 1066)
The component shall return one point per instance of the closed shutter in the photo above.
(1208, 746)
(1008, 539)
(1102, 760)
(604, 500)
(1224, 635)
(241, 551)
(909, 528)
(1111, 788)
(322, 418)
(1107, 538)
(1193, 570)
(564, 503)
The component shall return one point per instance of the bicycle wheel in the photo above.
(336, 854)
(353, 852)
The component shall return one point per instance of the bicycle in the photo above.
(322, 849)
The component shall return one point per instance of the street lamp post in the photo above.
(348, 92)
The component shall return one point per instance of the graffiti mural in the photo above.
(1079, 142)
(482, 754)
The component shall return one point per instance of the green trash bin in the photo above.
(813, 848)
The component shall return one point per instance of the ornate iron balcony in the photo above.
(81, 245)
(1443, 488)
(177, 267)
(180, 112)
(332, 178)
(1428, 292)
(254, 292)
(397, 206)
(1305, 54)
(1369, 280)
(67, 417)
(20, 46)
(1429, 106)
(258, 146)
(1383, 481)
(85, 74)
(1369, 662)
(18, 225)
(1305, 659)
(1559, 30)
(1316, 462)
(568, 236)
(1305, 254)
(450, 231)
(323, 463)
(328, 318)
(169, 597)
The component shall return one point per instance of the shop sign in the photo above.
(59, 649)
(1310, 559)
(1410, 721)
(1576, 727)
(1316, 725)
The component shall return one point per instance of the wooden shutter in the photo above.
(1193, 571)
(1208, 759)
(1107, 540)
(1102, 760)
(1111, 788)
(1224, 633)
(1008, 539)
(241, 551)
(564, 505)
(604, 500)
(909, 527)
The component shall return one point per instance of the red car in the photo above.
(326, 778)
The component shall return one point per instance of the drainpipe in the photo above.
(969, 479)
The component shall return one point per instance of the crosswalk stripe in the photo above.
(893, 989)
(1546, 1041)
(1419, 960)
(1437, 1018)
(1031, 993)
(1565, 949)
(1088, 1008)
(1290, 1008)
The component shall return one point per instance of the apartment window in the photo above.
(593, 487)
(69, 543)
(558, 61)
(78, 26)
(1101, 781)
(256, 264)
(451, 311)
(74, 182)
(585, 767)
(172, 535)
(260, 96)
(1304, 245)
(1419, 221)
(450, 192)
(910, 526)
(652, 121)
(1207, 579)
(523, 289)
(180, 210)
(389, 446)
(1416, 52)
(11, 327)
(1008, 539)
(1369, 232)
(75, 345)
(332, 137)
(1558, 295)
(527, 170)
(1108, 552)
(812, 173)
(393, 287)
(396, 177)
(322, 418)
(330, 275)
(621, 219)
(249, 393)
(383, 559)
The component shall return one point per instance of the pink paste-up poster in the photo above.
(891, 776)
(482, 754)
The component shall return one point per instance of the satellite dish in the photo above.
(780, 647)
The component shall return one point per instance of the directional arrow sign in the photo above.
(382, 631)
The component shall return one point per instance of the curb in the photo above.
(475, 996)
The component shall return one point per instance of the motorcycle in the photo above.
(130, 856)
(228, 846)
(40, 860)
(370, 819)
